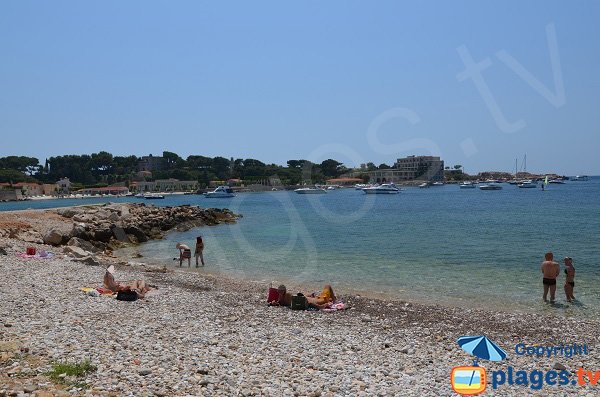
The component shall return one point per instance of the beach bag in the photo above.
(299, 302)
(272, 294)
(30, 251)
(128, 296)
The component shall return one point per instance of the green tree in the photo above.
(101, 163)
(173, 161)
(371, 167)
(221, 167)
(27, 165)
(331, 168)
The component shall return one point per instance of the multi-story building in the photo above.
(64, 186)
(426, 168)
(150, 163)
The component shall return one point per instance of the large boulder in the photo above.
(84, 245)
(75, 252)
(55, 236)
(120, 234)
(103, 234)
(81, 231)
(136, 232)
(69, 212)
(82, 217)
(88, 260)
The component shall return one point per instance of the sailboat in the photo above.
(526, 184)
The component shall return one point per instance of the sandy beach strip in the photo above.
(207, 335)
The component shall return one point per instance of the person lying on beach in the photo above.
(550, 270)
(324, 299)
(570, 279)
(139, 286)
(184, 253)
(321, 301)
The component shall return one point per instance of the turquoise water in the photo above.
(442, 244)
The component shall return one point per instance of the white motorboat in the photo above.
(528, 184)
(153, 196)
(220, 192)
(467, 185)
(557, 181)
(360, 186)
(490, 186)
(330, 187)
(580, 178)
(386, 188)
(437, 184)
(424, 185)
(310, 190)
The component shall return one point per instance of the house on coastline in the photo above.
(411, 168)
(7, 194)
(30, 189)
(64, 186)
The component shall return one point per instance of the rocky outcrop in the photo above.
(113, 225)
(55, 236)
(83, 244)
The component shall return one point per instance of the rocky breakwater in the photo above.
(101, 229)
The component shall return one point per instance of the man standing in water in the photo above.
(550, 270)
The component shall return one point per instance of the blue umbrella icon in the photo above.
(482, 348)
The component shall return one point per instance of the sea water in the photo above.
(441, 244)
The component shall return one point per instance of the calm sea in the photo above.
(441, 244)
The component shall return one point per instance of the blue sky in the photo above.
(278, 80)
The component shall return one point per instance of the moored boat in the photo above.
(527, 184)
(310, 190)
(467, 185)
(220, 192)
(386, 188)
(490, 186)
(153, 196)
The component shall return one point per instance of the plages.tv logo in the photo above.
(471, 380)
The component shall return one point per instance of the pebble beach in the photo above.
(204, 335)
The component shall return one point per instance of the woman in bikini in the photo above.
(570, 279)
(199, 250)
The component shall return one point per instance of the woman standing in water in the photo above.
(199, 249)
(570, 279)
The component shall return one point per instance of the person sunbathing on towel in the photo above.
(139, 286)
(324, 299)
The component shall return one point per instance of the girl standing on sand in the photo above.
(570, 279)
(199, 249)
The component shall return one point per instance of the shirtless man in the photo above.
(284, 299)
(551, 270)
(570, 279)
